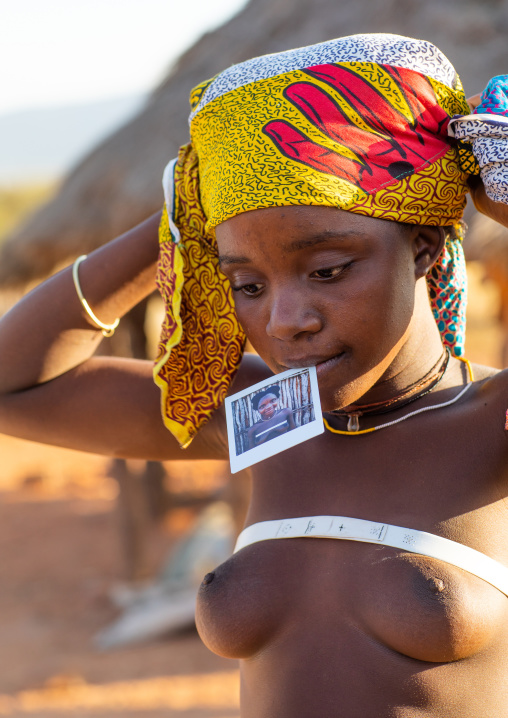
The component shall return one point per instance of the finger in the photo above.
(474, 101)
(296, 145)
(327, 116)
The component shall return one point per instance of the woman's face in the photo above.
(268, 406)
(321, 286)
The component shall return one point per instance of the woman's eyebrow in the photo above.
(322, 238)
(225, 259)
(297, 244)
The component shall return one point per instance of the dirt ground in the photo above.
(60, 554)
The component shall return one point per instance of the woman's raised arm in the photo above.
(48, 332)
(498, 211)
(53, 390)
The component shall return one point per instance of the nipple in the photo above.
(436, 585)
(208, 579)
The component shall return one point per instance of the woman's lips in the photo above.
(322, 366)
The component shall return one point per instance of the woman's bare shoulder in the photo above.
(489, 375)
(211, 441)
(482, 372)
(252, 370)
(492, 384)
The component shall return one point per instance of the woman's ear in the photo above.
(428, 243)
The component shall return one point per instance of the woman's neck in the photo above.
(420, 351)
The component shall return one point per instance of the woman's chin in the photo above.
(336, 397)
(333, 395)
(338, 383)
(331, 402)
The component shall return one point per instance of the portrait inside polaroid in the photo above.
(272, 416)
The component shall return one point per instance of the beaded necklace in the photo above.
(412, 413)
(407, 396)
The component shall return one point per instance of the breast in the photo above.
(427, 609)
(245, 602)
(417, 606)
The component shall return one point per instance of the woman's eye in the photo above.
(250, 290)
(328, 273)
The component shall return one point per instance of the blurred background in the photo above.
(100, 559)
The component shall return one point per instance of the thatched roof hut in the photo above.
(118, 183)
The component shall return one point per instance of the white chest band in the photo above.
(421, 542)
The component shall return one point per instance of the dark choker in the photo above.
(411, 393)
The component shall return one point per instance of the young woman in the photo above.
(325, 184)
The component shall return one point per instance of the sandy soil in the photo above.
(60, 554)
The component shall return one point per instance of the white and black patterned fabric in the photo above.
(486, 130)
(383, 49)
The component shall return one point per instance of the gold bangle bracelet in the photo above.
(107, 329)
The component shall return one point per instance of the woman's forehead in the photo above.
(295, 215)
(294, 228)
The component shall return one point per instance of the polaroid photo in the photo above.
(273, 416)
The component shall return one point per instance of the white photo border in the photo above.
(280, 443)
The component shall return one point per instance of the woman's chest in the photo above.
(417, 606)
(420, 479)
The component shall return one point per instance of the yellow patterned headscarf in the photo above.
(359, 123)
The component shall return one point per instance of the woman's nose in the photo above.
(290, 318)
